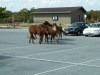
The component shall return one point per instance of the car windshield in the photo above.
(75, 25)
(95, 25)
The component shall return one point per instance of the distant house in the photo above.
(64, 15)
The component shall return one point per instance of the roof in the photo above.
(57, 10)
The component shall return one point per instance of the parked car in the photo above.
(93, 30)
(76, 28)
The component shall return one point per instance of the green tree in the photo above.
(2, 13)
(93, 16)
(31, 15)
(24, 15)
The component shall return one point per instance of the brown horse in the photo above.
(40, 30)
(53, 34)
(59, 30)
(46, 23)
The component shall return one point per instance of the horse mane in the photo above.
(47, 23)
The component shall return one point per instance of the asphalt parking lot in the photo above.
(74, 55)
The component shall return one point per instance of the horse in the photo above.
(59, 30)
(51, 32)
(40, 30)
(46, 23)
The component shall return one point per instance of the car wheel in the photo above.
(78, 33)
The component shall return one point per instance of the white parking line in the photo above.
(54, 70)
(83, 63)
(74, 64)
(91, 60)
(59, 50)
(15, 47)
(64, 68)
(89, 65)
(25, 57)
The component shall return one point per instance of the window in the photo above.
(55, 18)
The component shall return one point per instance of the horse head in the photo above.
(54, 24)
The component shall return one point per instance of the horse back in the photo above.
(33, 29)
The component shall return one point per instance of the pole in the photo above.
(13, 21)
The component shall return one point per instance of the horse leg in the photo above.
(51, 38)
(57, 38)
(41, 38)
(60, 36)
(46, 38)
(31, 38)
(35, 36)
(32, 41)
(40, 41)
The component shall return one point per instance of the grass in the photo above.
(26, 25)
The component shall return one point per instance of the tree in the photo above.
(2, 13)
(24, 14)
(93, 16)
(32, 9)
(31, 15)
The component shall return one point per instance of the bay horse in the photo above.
(59, 30)
(46, 23)
(51, 32)
(40, 30)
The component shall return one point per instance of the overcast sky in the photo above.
(17, 5)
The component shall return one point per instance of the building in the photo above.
(64, 15)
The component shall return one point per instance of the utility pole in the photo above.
(13, 21)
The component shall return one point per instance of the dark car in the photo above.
(76, 28)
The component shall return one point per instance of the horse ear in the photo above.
(60, 24)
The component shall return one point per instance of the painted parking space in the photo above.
(74, 55)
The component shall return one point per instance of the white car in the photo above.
(92, 30)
